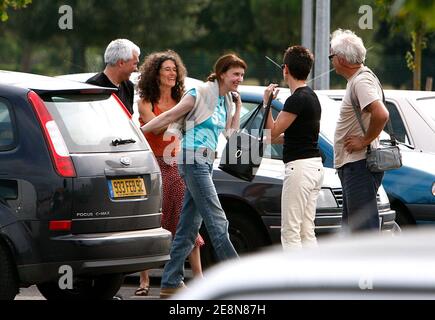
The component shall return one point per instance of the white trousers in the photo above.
(302, 183)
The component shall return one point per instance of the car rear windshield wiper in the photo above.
(118, 142)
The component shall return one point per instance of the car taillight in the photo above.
(59, 152)
(122, 105)
(60, 225)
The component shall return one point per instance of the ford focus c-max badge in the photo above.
(126, 161)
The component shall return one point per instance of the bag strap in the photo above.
(357, 108)
(252, 117)
(255, 113)
(266, 114)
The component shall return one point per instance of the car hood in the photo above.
(273, 169)
(421, 161)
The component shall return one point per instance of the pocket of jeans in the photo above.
(181, 170)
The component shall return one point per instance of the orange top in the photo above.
(156, 142)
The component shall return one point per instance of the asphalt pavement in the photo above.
(131, 283)
(126, 293)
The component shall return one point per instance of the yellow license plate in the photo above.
(124, 188)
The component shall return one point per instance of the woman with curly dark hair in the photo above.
(161, 87)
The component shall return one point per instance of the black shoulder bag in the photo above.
(244, 150)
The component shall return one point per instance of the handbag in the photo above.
(386, 157)
(243, 152)
(383, 159)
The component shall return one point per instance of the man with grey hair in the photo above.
(121, 58)
(363, 91)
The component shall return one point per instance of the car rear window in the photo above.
(428, 106)
(90, 123)
(6, 130)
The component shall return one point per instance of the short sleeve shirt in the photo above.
(301, 138)
(367, 91)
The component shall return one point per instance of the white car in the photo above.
(368, 266)
(411, 189)
(412, 114)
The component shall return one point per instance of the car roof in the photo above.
(339, 93)
(257, 92)
(42, 84)
(82, 77)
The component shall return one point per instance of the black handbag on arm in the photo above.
(244, 150)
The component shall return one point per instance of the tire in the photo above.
(103, 287)
(8, 275)
(245, 235)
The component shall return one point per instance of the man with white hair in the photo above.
(121, 58)
(364, 91)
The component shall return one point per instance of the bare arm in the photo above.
(145, 110)
(279, 139)
(379, 117)
(146, 114)
(165, 119)
(283, 121)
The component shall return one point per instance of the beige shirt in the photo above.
(367, 90)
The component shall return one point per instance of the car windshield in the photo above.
(90, 123)
(427, 105)
(330, 115)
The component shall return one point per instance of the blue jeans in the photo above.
(360, 188)
(201, 203)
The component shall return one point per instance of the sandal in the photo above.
(142, 291)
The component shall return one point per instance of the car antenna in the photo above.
(271, 60)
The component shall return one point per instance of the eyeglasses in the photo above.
(331, 56)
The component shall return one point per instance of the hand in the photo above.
(271, 89)
(236, 98)
(354, 143)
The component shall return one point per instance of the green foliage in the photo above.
(414, 17)
(200, 30)
(15, 4)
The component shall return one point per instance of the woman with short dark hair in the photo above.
(297, 127)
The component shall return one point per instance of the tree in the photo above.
(416, 18)
(153, 25)
(252, 28)
(15, 4)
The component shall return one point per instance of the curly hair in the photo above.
(149, 79)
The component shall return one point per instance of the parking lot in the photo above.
(126, 292)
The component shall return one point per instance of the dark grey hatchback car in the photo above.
(79, 188)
